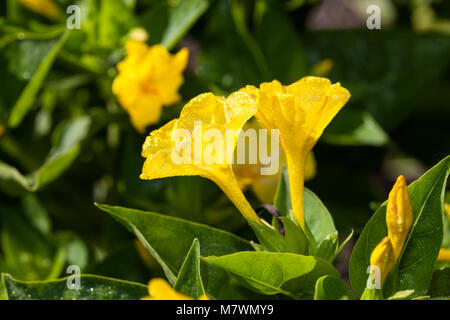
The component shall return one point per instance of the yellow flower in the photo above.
(300, 112)
(265, 186)
(149, 79)
(44, 7)
(399, 215)
(160, 289)
(444, 255)
(383, 258)
(194, 144)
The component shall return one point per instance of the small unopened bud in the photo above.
(382, 259)
(139, 34)
(399, 215)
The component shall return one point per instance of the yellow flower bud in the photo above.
(383, 258)
(44, 7)
(444, 255)
(399, 215)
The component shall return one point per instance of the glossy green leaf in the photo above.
(271, 273)
(317, 217)
(91, 288)
(416, 264)
(328, 248)
(26, 98)
(332, 288)
(270, 238)
(181, 18)
(402, 295)
(189, 280)
(282, 199)
(168, 239)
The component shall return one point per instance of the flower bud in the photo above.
(383, 258)
(399, 215)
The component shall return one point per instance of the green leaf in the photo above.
(12, 181)
(440, 284)
(189, 280)
(76, 250)
(402, 295)
(27, 254)
(271, 273)
(275, 30)
(332, 288)
(282, 199)
(60, 157)
(354, 128)
(328, 248)
(91, 288)
(168, 239)
(181, 18)
(36, 213)
(416, 264)
(318, 219)
(64, 153)
(115, 19)
(272, 240)
(27, 96)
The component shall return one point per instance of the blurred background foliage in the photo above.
(66, 143)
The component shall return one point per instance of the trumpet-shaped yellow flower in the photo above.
(160, 289)
(399, 215)
(382, 257)
(149, 79)
(186, 146)
(46, 8)
(265, 186)
(300, 112)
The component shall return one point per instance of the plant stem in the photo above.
(296, 170)
(227, 182)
